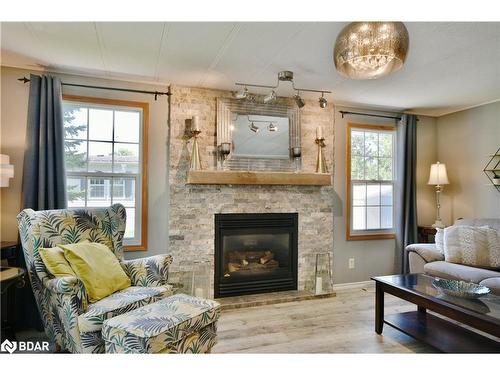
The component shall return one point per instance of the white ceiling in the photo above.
(450, 66)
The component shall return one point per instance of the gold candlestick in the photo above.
(195, 152)
(320, 161)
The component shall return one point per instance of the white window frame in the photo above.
(122, 186)
(369, 234)
(139, 241)
(94, 185)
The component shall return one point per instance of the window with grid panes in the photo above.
(371, 178)
(104, 159)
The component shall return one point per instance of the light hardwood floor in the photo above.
(342, 324)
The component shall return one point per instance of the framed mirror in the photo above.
(255, 136)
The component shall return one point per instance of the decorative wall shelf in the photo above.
(492, 169)
(258, 178)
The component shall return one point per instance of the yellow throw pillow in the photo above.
(97, 267)
(55, 262)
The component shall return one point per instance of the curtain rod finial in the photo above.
(23, 80)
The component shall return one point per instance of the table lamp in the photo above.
(438, 177)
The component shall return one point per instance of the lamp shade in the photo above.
(438, 175)
(6, 170)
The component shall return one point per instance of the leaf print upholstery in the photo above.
(177, 324)
(62, 301)
(118, 303)
(150, 271)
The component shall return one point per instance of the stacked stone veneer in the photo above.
(192, 207)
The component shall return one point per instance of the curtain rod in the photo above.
(368, 114)
(155, 93)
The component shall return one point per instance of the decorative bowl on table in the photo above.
(460, 289)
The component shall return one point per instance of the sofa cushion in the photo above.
(454, 271)
(439, 240)
(493, 283)
(472, 246)
(152, 328)
(492, 223)
(428, 251)
(118, 303)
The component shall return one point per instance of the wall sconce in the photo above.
(225, 150)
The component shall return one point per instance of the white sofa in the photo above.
(425, 258)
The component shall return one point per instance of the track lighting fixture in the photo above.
(284, 76)
(271, 97)
(254, 127)
(322, 101)
(243, 94)
(298, 100)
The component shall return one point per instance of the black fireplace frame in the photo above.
(267, 221)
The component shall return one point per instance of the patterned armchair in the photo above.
(70, 321)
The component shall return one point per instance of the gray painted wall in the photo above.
(465, 141)
(375, 257)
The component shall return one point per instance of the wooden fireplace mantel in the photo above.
(212, 177)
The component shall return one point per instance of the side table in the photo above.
(426, 234)
(9, 277)
(9, 251)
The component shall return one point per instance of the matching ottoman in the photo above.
(176, 324)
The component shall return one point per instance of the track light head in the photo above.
(299, 101)
(323, 103)
(254, 128)
(272, 127)
(271, 97)
(241, 94)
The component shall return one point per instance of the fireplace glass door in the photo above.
(255, 253)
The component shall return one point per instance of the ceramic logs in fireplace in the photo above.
(255, 253)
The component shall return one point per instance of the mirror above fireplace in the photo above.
(261, 137)
(257, 137)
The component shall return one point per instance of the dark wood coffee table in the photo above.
(447, 336)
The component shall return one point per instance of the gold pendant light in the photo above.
(369, 50)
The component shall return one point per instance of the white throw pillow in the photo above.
(439, 240)
(472, 246)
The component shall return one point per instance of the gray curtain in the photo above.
(406, 189)
(44, 176)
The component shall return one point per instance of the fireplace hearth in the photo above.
(255, 253)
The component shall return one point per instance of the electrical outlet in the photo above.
(351, 263)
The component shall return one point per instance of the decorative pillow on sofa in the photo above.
(472, 246)
(97, 267)
(439, 240)
(55, 262)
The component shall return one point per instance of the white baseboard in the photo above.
(356, 285)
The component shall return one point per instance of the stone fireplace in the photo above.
(255, 253)
(193, 208)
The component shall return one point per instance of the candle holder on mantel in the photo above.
(195, 164)
(320, 160)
